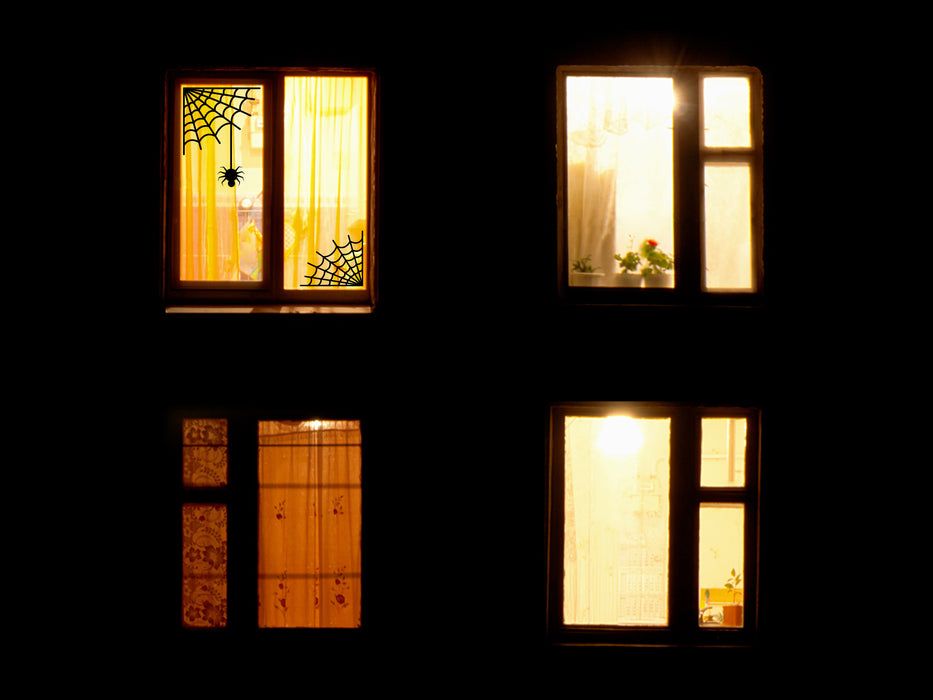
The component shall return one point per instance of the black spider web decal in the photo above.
(342, 267)
(207, 110)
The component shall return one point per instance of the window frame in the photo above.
(265, 294)
(689, 157)
(686, 497)
(240, 496)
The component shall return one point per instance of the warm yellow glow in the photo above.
(616, 533)
(721, 550)
(619, 171)
(326, 174)
(723, 452)
(727, 228)
(220, 236)
(726, 111)
(620, 436)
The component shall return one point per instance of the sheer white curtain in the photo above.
(619, 166)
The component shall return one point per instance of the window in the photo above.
(270, 194)
(660, 173)
(653, 524)
(305, 523)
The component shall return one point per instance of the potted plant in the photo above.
(658, 265)
(733, 614)
(583, 274)
(628, 263)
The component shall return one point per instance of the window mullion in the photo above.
(684, 538)
(688, 183)
(242, 523)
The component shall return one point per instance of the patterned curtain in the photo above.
(309, 523)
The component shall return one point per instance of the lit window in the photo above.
(306, 532)
(652, 523)
(660, 183)
(269, 190)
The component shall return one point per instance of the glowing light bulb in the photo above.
(619, 436)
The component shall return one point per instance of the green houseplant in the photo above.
(658, 265)
(583, 274)
(628, 264)
(733, 615)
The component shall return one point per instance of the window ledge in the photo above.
(283, 309)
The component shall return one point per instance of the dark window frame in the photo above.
(686, 497)
(689, 157)
(269, 293)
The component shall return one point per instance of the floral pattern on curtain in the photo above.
(204, 565)
(309, 523)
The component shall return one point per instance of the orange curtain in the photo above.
(309, 523)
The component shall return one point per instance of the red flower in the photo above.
(652, 242)
(340, 598)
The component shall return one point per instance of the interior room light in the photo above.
(619, 436)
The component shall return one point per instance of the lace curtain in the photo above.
(309, 524)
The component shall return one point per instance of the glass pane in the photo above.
(722, 561)
(723, 452)
(309, 523)
(726, 109)
(620, 181)
(204, 452)
(220, 182)
(616, 533)
(326, 181)
(727, 232)
(204, 565)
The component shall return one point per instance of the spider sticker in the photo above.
(206, 111)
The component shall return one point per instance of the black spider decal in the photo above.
(232, 176)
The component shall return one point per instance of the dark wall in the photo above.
(467, 346)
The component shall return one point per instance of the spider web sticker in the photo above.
(207, 110)
(342, 267)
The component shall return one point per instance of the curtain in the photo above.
(326, 168)
(215, 244)
(309, 524)
(619, 166)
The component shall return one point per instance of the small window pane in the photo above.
(722, 561)
(204, 452)
(309, 523)
(326, 182)
(723, 452)
(616, 534)
(220, 183)
(204, 565)
(726, 110)
(727, 232)
(619, 180)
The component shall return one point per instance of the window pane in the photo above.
(722, 561)
(616, 533)
(204, 565)
(726, 109)
(727, 232)
(309, 523)
(723, 452)
(619, 179)
(220, 180)
(326, 181)
(204, 452)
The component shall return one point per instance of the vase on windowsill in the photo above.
(733, 615)
(627, 279)
(659, 280)
(586, 279)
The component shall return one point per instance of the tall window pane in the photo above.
(727, 232)
(309, 523)
(326, 175)
(221, 180)
(619, 179)
(616, 527)
(722, 562)
(204, 565)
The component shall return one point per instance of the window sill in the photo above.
(264, 309)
